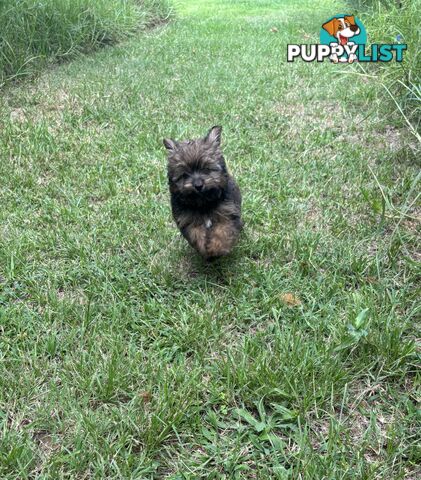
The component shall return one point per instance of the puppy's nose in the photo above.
(198, 184)
(354, 28)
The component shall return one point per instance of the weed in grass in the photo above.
(390, 21)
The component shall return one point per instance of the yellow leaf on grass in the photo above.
(146, 396)
(290, 299)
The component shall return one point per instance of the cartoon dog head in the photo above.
(342, 28)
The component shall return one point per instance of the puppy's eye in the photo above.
(347, 24)
(180, 177)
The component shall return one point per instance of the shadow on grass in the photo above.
(217, 271)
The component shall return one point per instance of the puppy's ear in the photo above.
(331, 27)
(170, 144)
(214, 135)
(350, 19)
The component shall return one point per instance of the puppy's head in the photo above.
(342, 28)
(197, 173)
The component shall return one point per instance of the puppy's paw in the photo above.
(220, 239)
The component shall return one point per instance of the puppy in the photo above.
(205, 200)
(343, 29)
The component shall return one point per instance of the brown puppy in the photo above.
(205, 200)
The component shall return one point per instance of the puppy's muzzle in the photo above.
(198, 184)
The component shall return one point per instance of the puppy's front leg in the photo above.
(334, 57)
(196, 236)
(221, 237)
(352, 57)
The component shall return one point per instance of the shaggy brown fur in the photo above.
(205, 200)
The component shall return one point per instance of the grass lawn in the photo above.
(123, 356)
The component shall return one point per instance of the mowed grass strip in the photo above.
(122, 354)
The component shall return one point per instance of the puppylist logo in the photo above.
(343, 39)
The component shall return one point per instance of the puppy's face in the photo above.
(342, 28)
(196, 168)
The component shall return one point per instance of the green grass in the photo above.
(35, 34)
(122, 354)
(392, 21)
